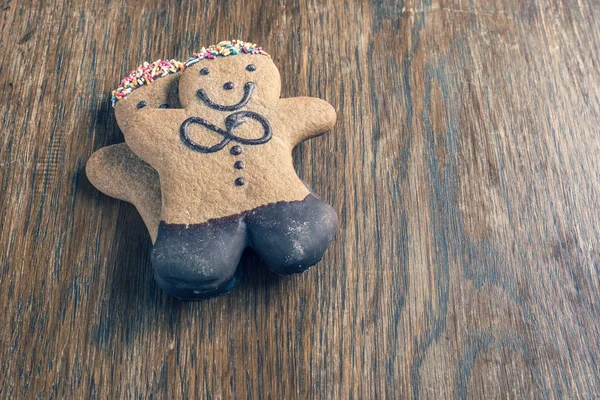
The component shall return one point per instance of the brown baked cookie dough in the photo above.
(116, 171)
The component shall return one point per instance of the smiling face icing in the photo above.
(224, 81)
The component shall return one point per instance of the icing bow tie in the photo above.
(231, 123)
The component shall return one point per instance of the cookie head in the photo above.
(243, 81)
(152, 85)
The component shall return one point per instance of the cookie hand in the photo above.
(309, 116)
(118, 173)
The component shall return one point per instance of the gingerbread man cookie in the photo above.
(115, 170)
(226, 173)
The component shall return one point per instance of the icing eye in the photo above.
(163, 106)
(228, 85)
(204, 71)
(251, 67)
(141, 104)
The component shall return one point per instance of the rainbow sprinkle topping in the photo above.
(225, 48)
(145, 74)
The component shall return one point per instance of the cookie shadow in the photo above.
(106, 128)
(132, 297)
(257, 277)
(135, 303)
(129, 294)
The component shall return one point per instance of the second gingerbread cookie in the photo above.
(226, 172)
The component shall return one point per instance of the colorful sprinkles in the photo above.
(146, 73)
(224, 49)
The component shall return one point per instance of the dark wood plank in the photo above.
(463, 167)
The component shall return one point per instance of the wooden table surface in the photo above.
(464, 167)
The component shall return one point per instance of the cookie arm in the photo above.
(305, 118)
(118, 173)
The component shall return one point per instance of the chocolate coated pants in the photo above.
(199, 261)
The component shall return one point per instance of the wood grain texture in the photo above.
(464, 168)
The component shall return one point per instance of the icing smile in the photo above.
(248, 90)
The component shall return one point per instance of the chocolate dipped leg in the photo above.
(291, 237)
(192, 262)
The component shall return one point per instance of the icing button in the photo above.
(240, 181)
(239, 165)
(236, 150)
